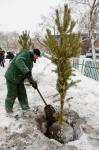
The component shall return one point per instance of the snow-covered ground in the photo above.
(19, 133)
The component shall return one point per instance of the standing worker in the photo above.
(2, 57)
(19, 69)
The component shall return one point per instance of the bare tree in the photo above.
(49, 20)
(9, 41)
(93, 20)
(14, 41)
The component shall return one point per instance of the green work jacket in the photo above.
(19, 66)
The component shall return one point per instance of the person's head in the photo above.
(36, 54)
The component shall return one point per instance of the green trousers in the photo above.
(16, 91)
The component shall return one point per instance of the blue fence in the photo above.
(88, 68)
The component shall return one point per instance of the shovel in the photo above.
(49, 110)
(41, 96)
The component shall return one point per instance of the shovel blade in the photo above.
(49, 112)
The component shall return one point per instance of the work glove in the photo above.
(32, 82)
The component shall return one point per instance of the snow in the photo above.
(85, 102)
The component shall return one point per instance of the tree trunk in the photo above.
(93, 48)
(61, 109)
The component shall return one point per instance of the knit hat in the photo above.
(37, 52)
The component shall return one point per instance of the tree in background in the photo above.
(63, 47)
(25, 41)
(90, 21)
(9, 41)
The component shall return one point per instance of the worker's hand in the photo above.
(34, 84)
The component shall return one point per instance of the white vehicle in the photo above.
(89, 53)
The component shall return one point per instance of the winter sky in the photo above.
(19, 15)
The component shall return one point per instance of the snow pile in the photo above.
(19, 133)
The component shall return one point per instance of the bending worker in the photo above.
(19, 69)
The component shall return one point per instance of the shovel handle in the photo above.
(41, 96)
